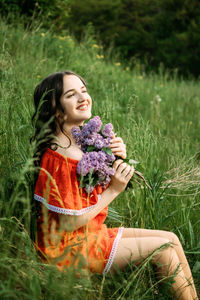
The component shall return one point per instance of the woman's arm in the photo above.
(123, 173)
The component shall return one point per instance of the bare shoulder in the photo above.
(71, 152)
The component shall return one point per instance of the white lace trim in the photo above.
(65, 211)
(113, 251)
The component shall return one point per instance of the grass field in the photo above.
(158, 116)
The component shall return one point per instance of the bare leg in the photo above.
(135, 249)
(137, 232)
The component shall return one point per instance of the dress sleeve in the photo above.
(58, 189)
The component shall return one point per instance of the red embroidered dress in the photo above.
(91, 247)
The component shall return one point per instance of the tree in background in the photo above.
(46, 11)
(152, 31)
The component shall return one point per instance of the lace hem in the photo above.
(65, 211)
(113, 251)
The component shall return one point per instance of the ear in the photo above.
(60, 115)
(57, 114)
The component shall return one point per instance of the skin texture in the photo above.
(135, 244)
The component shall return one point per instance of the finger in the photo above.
(126, 171)
(117, 163)
(117, 146)
(130, 174)
(118, 150)
(121, 154)
(113, 136)
(122, 167)
(116, 140)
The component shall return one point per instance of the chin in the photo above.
(85, 119)
(88, 115)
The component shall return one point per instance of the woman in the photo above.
(70, 227)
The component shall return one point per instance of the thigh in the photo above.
(140, 232)
(136, 250)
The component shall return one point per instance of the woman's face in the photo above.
(75, 101)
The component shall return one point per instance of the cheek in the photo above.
(68, 107)
(90, 100)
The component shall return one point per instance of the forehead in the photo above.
(71, 82)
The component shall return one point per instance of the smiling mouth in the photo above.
(83, 107)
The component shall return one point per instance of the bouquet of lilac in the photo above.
(95, 168)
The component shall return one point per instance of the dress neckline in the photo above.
(69, 159)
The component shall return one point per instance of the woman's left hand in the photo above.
(118, 147)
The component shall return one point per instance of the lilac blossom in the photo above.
(99, 142)
(110, 158)
(95, 163)
(95, 124)
(90, 135)
(107, 142)
(95, 168)
(108, 130)
(76, 133)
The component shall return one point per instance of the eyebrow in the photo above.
(72, 90)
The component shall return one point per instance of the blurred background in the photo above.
(158, 34)
(141, 62)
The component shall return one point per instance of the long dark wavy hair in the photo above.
(47, 101)
(47, 96)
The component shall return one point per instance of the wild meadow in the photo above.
(158, 117)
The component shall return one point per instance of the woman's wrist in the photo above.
(113, 191)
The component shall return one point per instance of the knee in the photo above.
(162, 249)
(173, 238)
(167, 260)
(166, 255)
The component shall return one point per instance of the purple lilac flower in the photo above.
(85, 132)
(107, 142)
(110, 158)
(98, 162)
(108, 130)
(89, 136)
(102, 156)
(82, 167)
(76, 133)
(90, 140)
(99, 142)
(95, 124)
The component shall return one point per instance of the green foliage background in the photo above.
(157, 115)
(154, 32)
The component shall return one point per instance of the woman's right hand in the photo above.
(123, 173)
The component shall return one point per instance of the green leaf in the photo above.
(95, 179)
(107, 150)
(90, 148)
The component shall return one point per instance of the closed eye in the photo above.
(70, 95)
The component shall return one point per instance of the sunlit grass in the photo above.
(159, 119)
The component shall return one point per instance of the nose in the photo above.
(82, 97)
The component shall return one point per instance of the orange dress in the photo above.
(91, 247)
